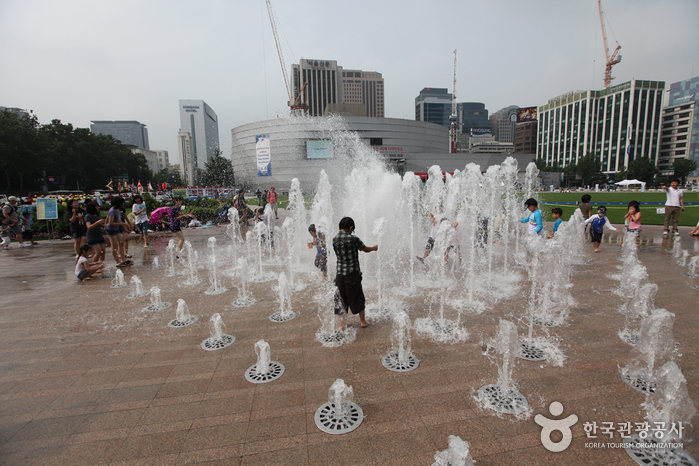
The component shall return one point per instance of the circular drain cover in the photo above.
(657, 456)
(282, 316)
(331, 337)
(327, 420)
(242, 302)
(502, 400)
(630, 338)
(445, 327)
(275, 371)
(639, 382)
(138, 295)
(391, 362)
(211, 344)
(531, 353)
(690, 275)
(544, 322)
(152, 307)
(190, 281)
(695, 287)
(215, 291)
(118, 286)
(182, 323)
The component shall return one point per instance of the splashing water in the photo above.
(341, 396)
(182, 314)
(656, 345)
(137, 288)
(456, 455)
(400, 336)
(670, 404)
(216, 327)
(190, 265)
(263, 357)
(118, 281)
(171, 252)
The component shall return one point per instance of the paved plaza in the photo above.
(89, 378)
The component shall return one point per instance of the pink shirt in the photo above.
(634, 225)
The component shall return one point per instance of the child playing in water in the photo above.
(556, 213)
(84, 269)
(321, 261)
(598, 222)
(534, 219)
(633, 217)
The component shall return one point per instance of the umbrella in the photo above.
(157, 214)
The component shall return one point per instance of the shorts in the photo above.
(351, 293)
(143, 227)
(83, 274)
(14, 229)
(636, 231)
(78, 234)
(27, 235)
(95, 242)
(274, 206)
(595, 237)
(112, 232)
(430, 244)
(175, 228)
(321, 262)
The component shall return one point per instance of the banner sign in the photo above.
(526, 114)
(264, 157)
(47, 209)
(319, 149)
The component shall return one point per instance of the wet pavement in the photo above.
(88, 377)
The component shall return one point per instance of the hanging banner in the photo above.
(264, 157)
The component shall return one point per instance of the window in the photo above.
(376, 141)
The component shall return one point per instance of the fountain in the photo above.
(182, 317)
(190, 265)
(503, 397)
(410, 194)
(156, 303)
(265, 370)
(655, 346)
(171, 253)
(214, 278)
(676, 251)
(285, 313)
(340, 415)
(118, 281)
(456, 455)
(669, 410)
(693, 267)
(400, 358)
(156, 264)
(328, 300)
(379, 311)
(682, 261)
(218, 339)
(137, 288)
(244, 298)
(635, 309)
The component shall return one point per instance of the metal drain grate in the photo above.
(656, 455)
(694, 287)
(182, 323)
(639, 382)
(629, 338)
(332, 337)
(192, 281)
(502, 400)
(275, 371)
(330, 422)
(152, 307)
(119, 286)
(378, 313)
(211, 344)
(544, 323)
(282, 316)
(531, 353)
(444, 327)
(215, 292)
(243, 302)
(690, 275)
(391, 362)
(138, 295)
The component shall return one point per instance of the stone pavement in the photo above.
(88, 378)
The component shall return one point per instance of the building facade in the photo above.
(680, 126)
(364, 87)
(502, 123)
(618, 125)
(525, 137)
(163, 160)
(130, 133)
(186, 152)
(471, 115)
(201, 122)
(323, 80)
(433, 105)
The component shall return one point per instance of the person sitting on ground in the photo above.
(84, 269)
(695, 232)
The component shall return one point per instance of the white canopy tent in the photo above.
(630, 182)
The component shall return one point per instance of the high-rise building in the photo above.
(471, 115)
(20, 112)
(433, 105)
(130, 133)
(163, 159)
(323, 80)
(502, 123)
(201, 122)
(618, 125)
(680, 126)
(364, 87)
(150, 155)
(186, 151)
(525, 137)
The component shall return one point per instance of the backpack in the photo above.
(598, 224)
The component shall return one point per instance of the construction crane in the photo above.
(297, 107)
(453, 117)
(612, 59)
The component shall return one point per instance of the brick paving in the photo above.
(88, 378)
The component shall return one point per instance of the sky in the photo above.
(78, 61)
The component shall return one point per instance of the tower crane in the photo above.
(453, 118)
(297, 107)
(612, 59)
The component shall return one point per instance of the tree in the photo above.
(218, 171)
(622, 174)
(588, 168)
(642, 169)
(21, 150)
(683, 167)
(170, 176)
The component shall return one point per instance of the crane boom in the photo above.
(273, 22)
(612, 59)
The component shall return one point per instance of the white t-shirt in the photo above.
(673, 197)
(139, 210)
(80, 266)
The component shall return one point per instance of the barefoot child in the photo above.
(534, 220)
(556, 213)
(84, 269)
(597, 224)
(633, 217)
(349, 277)
(321, 261)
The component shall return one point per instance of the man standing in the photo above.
(272, 199)
(672, 207)
(9, 211)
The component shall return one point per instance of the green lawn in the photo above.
(616, 213)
